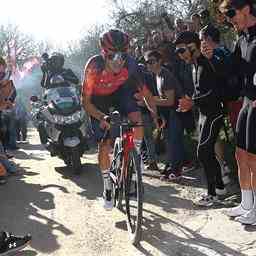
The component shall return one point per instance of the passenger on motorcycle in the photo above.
(113, 79)
(53, 66)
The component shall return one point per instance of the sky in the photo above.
(58, 21)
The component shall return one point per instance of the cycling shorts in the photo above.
(246, 127)
(122, 100)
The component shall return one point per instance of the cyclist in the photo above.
(113, 79)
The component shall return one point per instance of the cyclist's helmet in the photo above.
(57, 60)
(114, 41)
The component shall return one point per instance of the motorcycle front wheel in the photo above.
(75, 161)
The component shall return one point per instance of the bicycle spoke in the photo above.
(133, 197)
(116, 174)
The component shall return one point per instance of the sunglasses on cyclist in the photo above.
(151, 62)
(180, 50)
(117, 56)
(230, 13)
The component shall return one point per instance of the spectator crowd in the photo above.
(169, 77)
(13, 122)
(202, 86)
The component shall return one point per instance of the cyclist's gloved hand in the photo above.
(104, 122)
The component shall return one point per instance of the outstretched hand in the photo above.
(185, 103)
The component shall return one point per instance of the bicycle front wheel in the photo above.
(117, 166)
(134, 196)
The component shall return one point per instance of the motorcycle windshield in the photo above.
(63, 97)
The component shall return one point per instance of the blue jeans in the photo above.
(10, 122)
(174, 134)
(12, 133)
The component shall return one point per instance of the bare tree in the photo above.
(15, 46)
(79, 52)
(141, 16)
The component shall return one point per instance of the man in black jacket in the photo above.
(206, 97)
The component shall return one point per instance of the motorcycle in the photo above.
(60, 121)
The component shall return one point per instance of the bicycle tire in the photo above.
(117, 165)
(134, 168)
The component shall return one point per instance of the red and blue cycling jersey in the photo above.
(100, 82)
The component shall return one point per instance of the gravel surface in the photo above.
(64, 213)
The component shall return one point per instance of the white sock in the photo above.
(106, 180)
(247, 199)
(137, 144)
(142, 166)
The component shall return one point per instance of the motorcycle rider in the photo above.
(113, 79)
(51, 67)
(54, 66)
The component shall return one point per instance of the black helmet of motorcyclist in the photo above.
(114, 41)
(57, 61)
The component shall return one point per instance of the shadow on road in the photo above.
(27, 146)
(20, 213)
(190, 179)
(165, 197)
(188, 243)
(89, 180)
(20, 154)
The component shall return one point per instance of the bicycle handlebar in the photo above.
(116, 123)
(123, 124)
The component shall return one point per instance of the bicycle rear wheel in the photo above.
(134, 197)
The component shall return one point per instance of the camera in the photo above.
(46, 63)
(53, 63)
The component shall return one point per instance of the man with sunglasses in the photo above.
(168, 91)
(206, 97)
(241, 14)
(111, 80)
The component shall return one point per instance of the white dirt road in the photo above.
(64, 214)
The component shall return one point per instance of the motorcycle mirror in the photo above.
(34, 98)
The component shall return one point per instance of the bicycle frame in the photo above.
(127, 146)
(124, 165)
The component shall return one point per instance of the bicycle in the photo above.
(126, 175)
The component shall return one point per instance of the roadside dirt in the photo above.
(64, 214)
